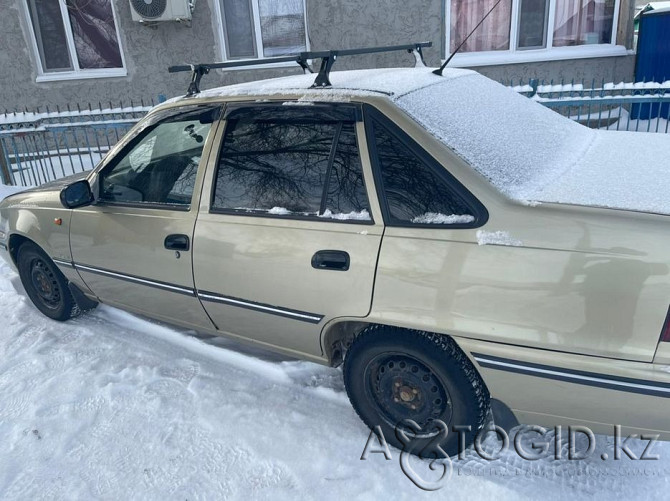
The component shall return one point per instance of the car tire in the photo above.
(44, 283)
(393, 374)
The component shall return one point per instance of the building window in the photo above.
(580, 22)
(262, 28)
(523, 26)
(493, 34)
(75, 38)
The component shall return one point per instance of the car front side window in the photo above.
(159, 166)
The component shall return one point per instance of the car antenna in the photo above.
(451, 56)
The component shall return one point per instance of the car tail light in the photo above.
(665, 332)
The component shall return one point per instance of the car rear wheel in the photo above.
(410, 382)
(45, 285)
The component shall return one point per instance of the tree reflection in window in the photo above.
(414, 191)
(346, 189)
(282, 167)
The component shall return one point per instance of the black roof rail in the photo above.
(328, 58)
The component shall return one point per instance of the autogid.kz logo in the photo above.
(425, 462)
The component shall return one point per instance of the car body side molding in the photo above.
(134, 279)
(65, 264)
(606, 381)
(302, 316)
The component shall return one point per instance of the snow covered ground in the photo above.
(5, 191)
(113, 406)
(655, 125)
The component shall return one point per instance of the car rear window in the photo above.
(417, 190)
(283, 163)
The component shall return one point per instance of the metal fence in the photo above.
(638, 107)
(40, 146)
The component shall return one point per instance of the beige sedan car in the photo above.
(455, 245)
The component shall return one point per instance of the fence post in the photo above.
(4, 166)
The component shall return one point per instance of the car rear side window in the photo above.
(159, 166)
(291, 164)
(417, 190)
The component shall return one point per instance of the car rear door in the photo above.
(133, 246)
(289, 238)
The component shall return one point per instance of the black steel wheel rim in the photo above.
(404, 388)
(44, 282)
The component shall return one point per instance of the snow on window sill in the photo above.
(81, 75)
(530, 56)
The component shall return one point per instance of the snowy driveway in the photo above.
(115, 407)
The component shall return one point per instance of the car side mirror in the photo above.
(76, 195)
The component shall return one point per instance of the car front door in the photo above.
(133, 246)
(289, 237)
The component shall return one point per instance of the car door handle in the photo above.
(331, 260)
(177, 242)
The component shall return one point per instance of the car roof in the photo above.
(353, 83)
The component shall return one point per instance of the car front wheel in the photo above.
(45, 285)
(418, 387)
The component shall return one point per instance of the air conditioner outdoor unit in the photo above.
(151, 11)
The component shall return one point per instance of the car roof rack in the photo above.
(328, 58)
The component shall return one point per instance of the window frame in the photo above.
(477, 209)
(356, 109)
(548, 4)
(139, 134)
(258, 38)
(529, 55)
(76, 73)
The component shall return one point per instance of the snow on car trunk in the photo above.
(514, 142)
(531, 153)
(623, 170)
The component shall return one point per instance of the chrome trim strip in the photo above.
(60, 262)
(297, 315)
(572, 376)
(138, 280)
(207, 296)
